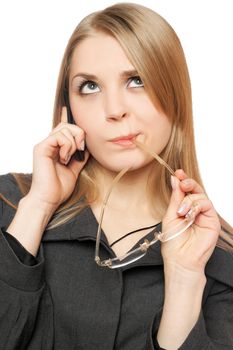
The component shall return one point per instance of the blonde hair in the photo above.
(154, 49)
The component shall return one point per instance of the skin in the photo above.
(113, 105)
(106, 105)
(117, 108)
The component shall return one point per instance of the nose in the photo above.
(115, 105)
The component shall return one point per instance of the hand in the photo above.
(54, 174)
(191, 250)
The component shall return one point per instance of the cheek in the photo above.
(160, 127)
(161, 131)
(150, 114)
(156, 126)
(153, 123)
(93, 131)
(86, 115)
(87, 122)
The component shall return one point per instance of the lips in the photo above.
(124, 138)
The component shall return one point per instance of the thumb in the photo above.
(176, 198)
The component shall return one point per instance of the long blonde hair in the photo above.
(154, 49)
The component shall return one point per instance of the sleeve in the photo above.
(152, 343)
(24, 256)
(214, 327)
(26, 310)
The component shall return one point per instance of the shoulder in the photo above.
(220, 266)
(9, 188)
(10, 195)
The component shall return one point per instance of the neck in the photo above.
(131, 193)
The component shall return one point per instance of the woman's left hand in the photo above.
(191, 250)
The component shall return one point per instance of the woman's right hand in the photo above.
(54, 172)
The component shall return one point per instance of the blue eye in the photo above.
(88, 87)
(135, 82)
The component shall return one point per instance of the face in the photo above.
(109, 102)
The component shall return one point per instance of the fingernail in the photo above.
(192, 212)
(67, 159)
(173, 182)
(182, 208)
(82, 145)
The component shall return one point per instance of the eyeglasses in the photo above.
(141, 250)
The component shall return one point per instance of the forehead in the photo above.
(98, 53)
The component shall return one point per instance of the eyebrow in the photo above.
(123, 74)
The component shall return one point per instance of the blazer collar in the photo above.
(84, 227)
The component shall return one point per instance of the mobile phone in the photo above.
(79, 155)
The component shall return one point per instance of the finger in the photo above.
(73, 147)
(80, 139)
(202, 205)
(64, 118)
(188, 201)
(73, 132)
(61, 146)
(176, 197)
(76, 166)
(205, 215)
(77, 139)
(187, 184)
(190, 185)
(62, 125)
(180, 174)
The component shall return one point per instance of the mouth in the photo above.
(124, 140)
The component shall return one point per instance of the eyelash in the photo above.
(86, 82)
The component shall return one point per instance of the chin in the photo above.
(117, 166)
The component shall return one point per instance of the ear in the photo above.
(64, 118)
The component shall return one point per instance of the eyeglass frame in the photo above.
(158, 236)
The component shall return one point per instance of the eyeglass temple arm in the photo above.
(155, 155)
(116, 179)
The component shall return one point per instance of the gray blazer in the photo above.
(65, 301)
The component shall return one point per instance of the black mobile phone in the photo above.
(79, 155)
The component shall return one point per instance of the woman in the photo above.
(123, 96)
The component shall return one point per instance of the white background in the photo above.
(33, 36)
